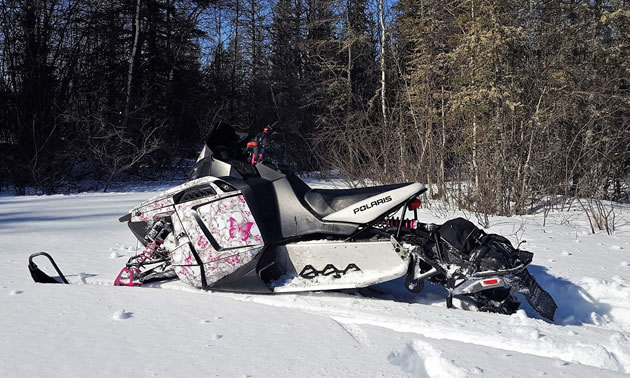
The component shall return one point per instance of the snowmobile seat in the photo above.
(327, 201)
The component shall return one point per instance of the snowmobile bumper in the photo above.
(521, 281)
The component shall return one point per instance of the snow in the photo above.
(122, 315)
(93, 328)
(422, 359)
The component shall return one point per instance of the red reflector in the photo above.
(493, 281)
(252, 144)
(415, 204)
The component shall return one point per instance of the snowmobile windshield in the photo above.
(209, 164)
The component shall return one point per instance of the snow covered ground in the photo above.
(95, 329)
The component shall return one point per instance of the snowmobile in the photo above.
(246, 226)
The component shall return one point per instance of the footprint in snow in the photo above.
(122, 315)
(121, 251)
(535, 334)
(15, 292)
(424, 360)
(624, 264)
(217, 337)
(616, 247)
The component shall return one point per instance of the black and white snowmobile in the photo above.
(247, 227)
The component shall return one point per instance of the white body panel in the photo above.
(232, 239)
(378, 262)
(165, 198)
(371, 208)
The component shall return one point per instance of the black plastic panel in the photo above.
(194, 193)
(224, 186)
(139, 230)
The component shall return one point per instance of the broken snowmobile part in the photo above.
(38, 275)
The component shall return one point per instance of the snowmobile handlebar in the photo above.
(255, 149)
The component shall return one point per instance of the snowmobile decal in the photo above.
(240, 230)
(370, 208)
(380, 201)
(310, 272)
(230, 222)
(214, 232)
(377, 262)
(222, 232)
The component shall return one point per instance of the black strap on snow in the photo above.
(41, 277)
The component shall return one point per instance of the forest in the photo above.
(496, 105)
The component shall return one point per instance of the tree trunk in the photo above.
(474, 122)
(233, 77)
(442, 178)
(383, 66)
(132, 58)
(349, 73)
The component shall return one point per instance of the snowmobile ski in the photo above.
(39, 276)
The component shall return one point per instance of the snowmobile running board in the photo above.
(41, 277)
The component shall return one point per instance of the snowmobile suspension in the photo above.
(135, 265)
(395, 223)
